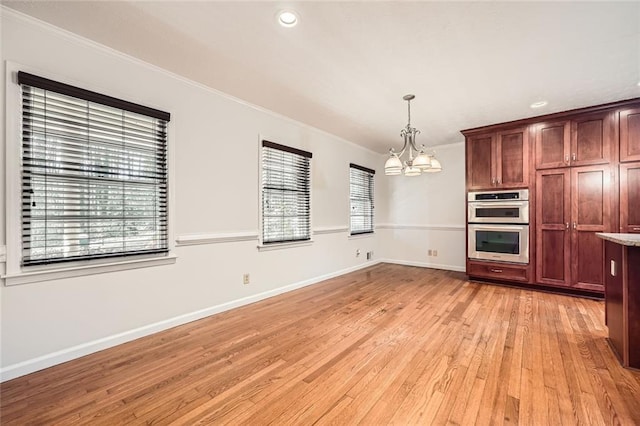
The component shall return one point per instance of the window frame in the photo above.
(15, 273)
(278, 244)
(370, 173)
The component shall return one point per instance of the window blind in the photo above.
(286, 214)
(94, 175)
(361, 199)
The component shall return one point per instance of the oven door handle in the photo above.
(502, 204)
(476, 227)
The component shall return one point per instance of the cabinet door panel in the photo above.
(590, 212)
(512, 158)
(630, 135)
(588, 265)
(589, 190)
(480, 163)
(551, 257)
(630, 197)
(553, 209)
(591, 139)
(552, 145)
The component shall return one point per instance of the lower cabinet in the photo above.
(572, 204)
(498, 271)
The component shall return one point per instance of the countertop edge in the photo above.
(631, 240)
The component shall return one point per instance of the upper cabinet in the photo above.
(498, 159)
(583, 141)
(553, 146)
(630, 135)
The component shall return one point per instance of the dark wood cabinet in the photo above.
(553, 224)
(498, 271)
(582, 141)
(571, 206)
(630, 135)
(592, 139)
(582, 169)
(553, 146)
(630, 197)
(622, 297)
(498, 159)
(481, 161)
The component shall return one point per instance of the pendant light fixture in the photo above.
(417, 161)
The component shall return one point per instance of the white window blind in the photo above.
(286, 214)
(361, 199)
(94, 175)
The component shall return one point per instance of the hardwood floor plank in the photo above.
(389, 344)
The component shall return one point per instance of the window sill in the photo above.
(281, 246)
(78, 271)
(360, 236)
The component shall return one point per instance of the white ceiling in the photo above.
(345, 67)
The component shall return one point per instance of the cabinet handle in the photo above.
(498, 180)
(566, 225)
(497, 271)
(566, 159)
(493, 181)
(575, 225)
(573, 157)
(635, 229)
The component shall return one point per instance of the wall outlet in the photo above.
(429, 252)
(246, 279)
(369, 255)
(435, 253)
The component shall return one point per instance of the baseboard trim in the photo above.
(39, 363)
(425, 265)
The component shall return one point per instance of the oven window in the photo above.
(498, 212)
(498, 242)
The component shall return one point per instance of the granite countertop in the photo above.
(624, 239)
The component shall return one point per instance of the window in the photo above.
(361, 199)
(286, 213)
(94, 175)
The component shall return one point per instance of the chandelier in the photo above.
(418, 160)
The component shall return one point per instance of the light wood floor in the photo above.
(386, 345)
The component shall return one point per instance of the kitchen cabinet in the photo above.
(630, 197)
(498, 159)
(584, 140)
(498, 271)
(622, 296)
(553, 146)
(572, 204)
(630, 135)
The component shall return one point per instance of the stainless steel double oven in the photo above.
(498, 225)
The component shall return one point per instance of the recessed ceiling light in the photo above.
(287, 18)
(538, 104)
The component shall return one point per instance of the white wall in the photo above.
(211, 136)
(427, 212)
(215, 151)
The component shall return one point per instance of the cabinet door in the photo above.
(512, 158)
(630, 197)
(552, 145)
(592, 139)
(630, 135)
(590, 213)
(553, 210)
(481, 169)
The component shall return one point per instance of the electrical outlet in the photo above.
(246, 279)
(435, 253)
(430, 252)
(369, 255)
